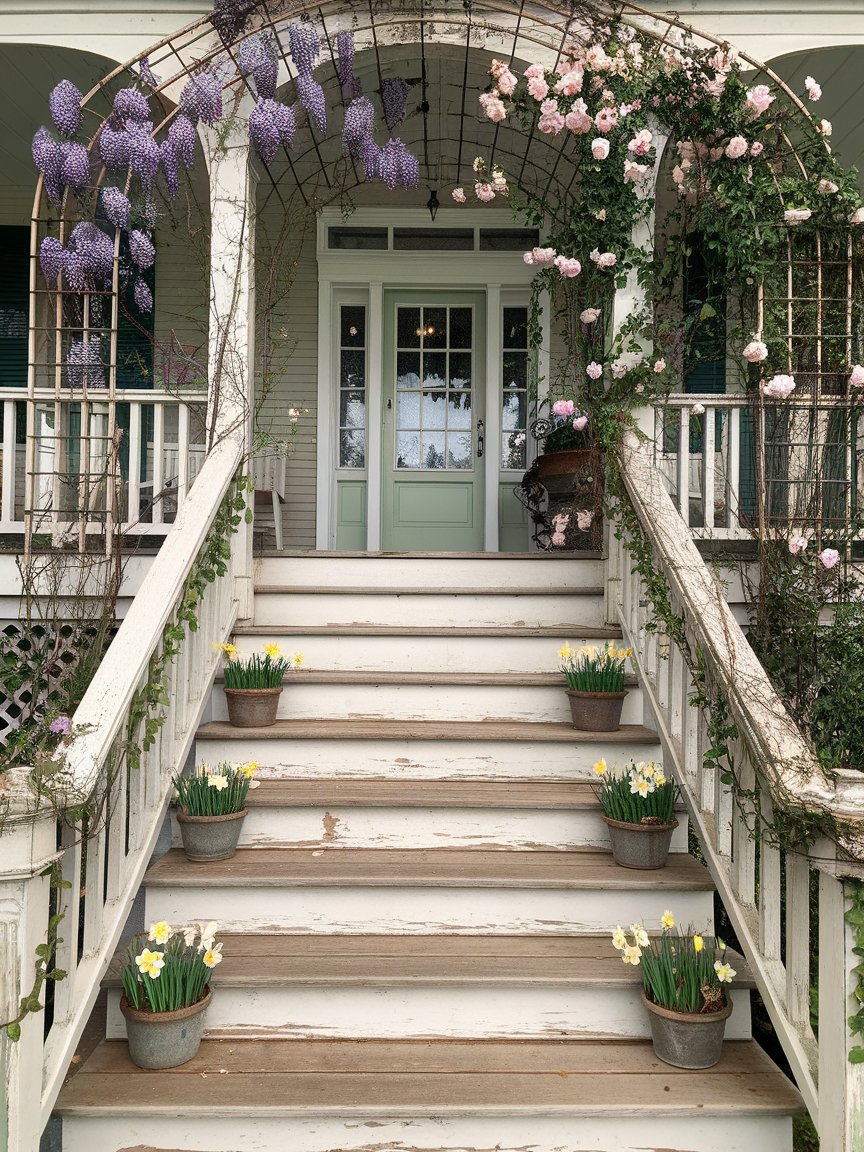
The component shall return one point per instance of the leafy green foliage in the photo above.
(678, 971)
(256, 671)
(214, 791)
(165, 977)
(640, 794)
(593, 669)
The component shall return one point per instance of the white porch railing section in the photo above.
(96, 463)
(787, 906)
(104, 870)
(706, 448)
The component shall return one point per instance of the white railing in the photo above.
(765, 884)
(128, 793)
(726, 457)
(96, 462)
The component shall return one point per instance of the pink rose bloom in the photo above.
(534, 72)
(826, 127)
(716, 153)
(755, 352)
(507, 83)
(604, 259)
(717, 86)
(697, 410)
(736, 148)
(606, 119)
(552, 122)
(577, 119)
(780, 387)
(579, 423)
(589, 315)
(570, 83)
(568, 266)
(484, 192)
(827, 187)
(659, 365)
(814, 91)
(857, 216)
(498, 68)
(686, 150)
(828, 557)
(594, 370)
(797, 215)
(596, 58)
(538, 88)
(599, 148)
(757, 148)
(678, 175)
(640, 145)
(493, 106)
(759, 99)
(798, 544)
(563, 408)
(583, 519)
(458, 195)
(634, 173)
(543, 257)
(856, 378)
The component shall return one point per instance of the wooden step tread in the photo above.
(430, 679)
(372, 792)
(425, 590)
(422, 867)
(257, 961)
(456, 631)
(404, 1078)
(334, 554)
(379, 728)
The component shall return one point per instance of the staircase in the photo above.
(416, 928)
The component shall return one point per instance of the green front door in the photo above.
(433, 439)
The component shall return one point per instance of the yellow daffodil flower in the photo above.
(566, 652)
(698, 943)
(660, 780)
(725, 973)
(628, 653)
(160, 933)
(220, 783)
(619, 939)
(213, 955)
(249, 770)
(150, 963)
(632, 954)
(667, 920)
(600, 767)
(272, 650)
(588, 652)
(229, 650)
(298, 659)
(611, 651)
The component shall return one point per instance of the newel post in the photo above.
(28, 847)
(231, 350)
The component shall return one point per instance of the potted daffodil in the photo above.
(685, 981)
(253, 685)
(595, 685)
(211, 807)
(638, 805)
(166, 991)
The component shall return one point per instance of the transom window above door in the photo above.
(434, 379)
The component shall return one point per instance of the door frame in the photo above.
(345, 276)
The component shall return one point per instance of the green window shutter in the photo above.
(14, 305)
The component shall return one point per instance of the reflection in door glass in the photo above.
(514, 394)
(433, 429)
(352, 386)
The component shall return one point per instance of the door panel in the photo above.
(434, 395)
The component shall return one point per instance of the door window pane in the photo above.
(408, 331)
(458, 449)
(460, 369)
(407, 449)
(514, 389)
(434, 369)
(461, 323)
(352, 386)
(433, 450)
(434, 409)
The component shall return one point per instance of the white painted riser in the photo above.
(525, 830)
(509, 1012)
(301, 701)
(428, 572)
(377, 1131)
(441, 611)
(424, 759)
(421, 910)
(396, 653)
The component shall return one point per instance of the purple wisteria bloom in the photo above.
(359, 124)
(147, 74)
(89, 256)
(399, 166)
(230, 18)
(370, 154)
(168, 157)
(115, 145)
(312, 98)
(141, 248)
(130, 104)
(52, 255)
(271, 125)
(182, 134)
(351, 87)
(75, 167)
(84, 366)
(62, 726)
(201, 98)
(144, 157)
(394, 95)
(149, 212)
(305, 47)
(65, 104)
(257, 58)
(116, 207)
(143, 295)
(48, 159)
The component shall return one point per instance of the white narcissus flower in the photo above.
(619, 936)
(632, 954)
(725, 973)
(755, 352)
(160, 933)
(667, 920)
(640, 935)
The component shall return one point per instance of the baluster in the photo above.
(158, 462)
(724, 811)
(709, 419)
(684, 465)
(116, 876)
(744, 829)
(68, 904)
(94, 893)
(707, 768)
(797, 938)
(10, 451)
(673, 690)
(182, 454)
(133, 509)
(734, 469)
(770, 925)
(689, 735)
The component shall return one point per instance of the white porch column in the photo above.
(231, 350)
(27, 848)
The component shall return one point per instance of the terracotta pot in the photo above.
(210, 837)
(687, 1040)
(640, 845)
(596, 711)
(164, 1039)
(252, 707)
(573, 479)
(568, 462)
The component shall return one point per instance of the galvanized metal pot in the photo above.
(208, 838)
(164, 1039)
(596, 711)
(640, 845)
(687, 1040)
(252, 707)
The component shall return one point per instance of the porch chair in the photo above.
(268, 478)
